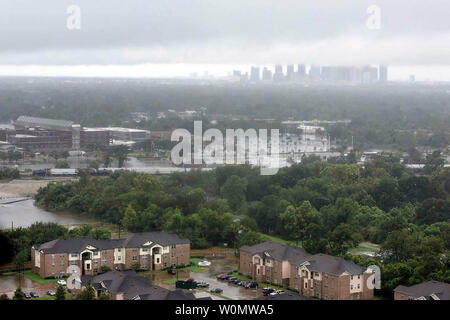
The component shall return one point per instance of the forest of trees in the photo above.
(321, 206)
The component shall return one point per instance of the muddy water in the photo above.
(25, 213)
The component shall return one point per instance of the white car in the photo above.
(276, 292)
(61, 282)
(204, 263)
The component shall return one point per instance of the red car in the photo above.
(220, 276)
(189, 280)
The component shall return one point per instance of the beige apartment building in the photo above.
(321, 276)
(147, 251)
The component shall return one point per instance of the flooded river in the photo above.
(25, 213)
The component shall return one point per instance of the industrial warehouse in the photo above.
(47, 135)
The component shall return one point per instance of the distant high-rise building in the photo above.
(302, 70)
(290, 72)
(383, 73)
(236, 73)
(314, 73)
(254, 74)
(266, 74)
(278, 75)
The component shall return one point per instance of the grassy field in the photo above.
(282, 241)
(170, 281)
(34, 277)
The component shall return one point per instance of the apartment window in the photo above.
(134, 258)
(95, 261)
(61, 263)
(119, 250)
(359, 286)
(296, 286)
(325, 297)
(275, 270)
(267, 269)
(325, 275)
(275, 262)
(173, 255)
(268, 261)
(306, 285)
(103, 261)
(144, 249)
(174, 246)
(104, 252)
(351, 277)
(182, 254)
(61, 274)
(144, 266)
(316, 274)
(275, 281)
(157, 260)
(62, 255)
(144, 257)
(134, 250)
(249, 264)
(119, 258)
(359, 277)
(165, 264)
(95, 270)
(326, 284)
(166, 248)
(95, 253)
(74, 263)
(268, 279)
(74, 255)
(351, 287)
(165, 256)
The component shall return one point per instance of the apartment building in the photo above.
(270, 262)
(149, 251)
(321, 276)
(331, 278)
(430, 290)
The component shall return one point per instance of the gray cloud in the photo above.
(228, 31)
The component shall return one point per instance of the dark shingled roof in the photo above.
(333, 265)
(133, 286)
(133, 241)
(278, 251)
(426, 289)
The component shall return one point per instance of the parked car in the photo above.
(204, 263)
(239, 283)
(231, 279)
(172, 270)
(251, 285)
(202, 284)
(51, 293)
(189, 280)
(225, 277)
(217, 290)
(61, 282)
(34, 295)
(27, 295)
(276, 292)
(267, 291)
(220, 276)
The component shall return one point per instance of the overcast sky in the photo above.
(183, 35)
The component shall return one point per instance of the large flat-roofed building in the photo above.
(430, 290)
(150, 250)
(46, 135)
(321, 276)
(125, 134)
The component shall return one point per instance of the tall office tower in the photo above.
(314, 73)
(373, 74)
(254, 74)
(278, 75)
(383, 73)
(290, 72)
(301, 70)
(266, 74)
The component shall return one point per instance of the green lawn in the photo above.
(282, 241)
(34, 277)
(170, 281)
